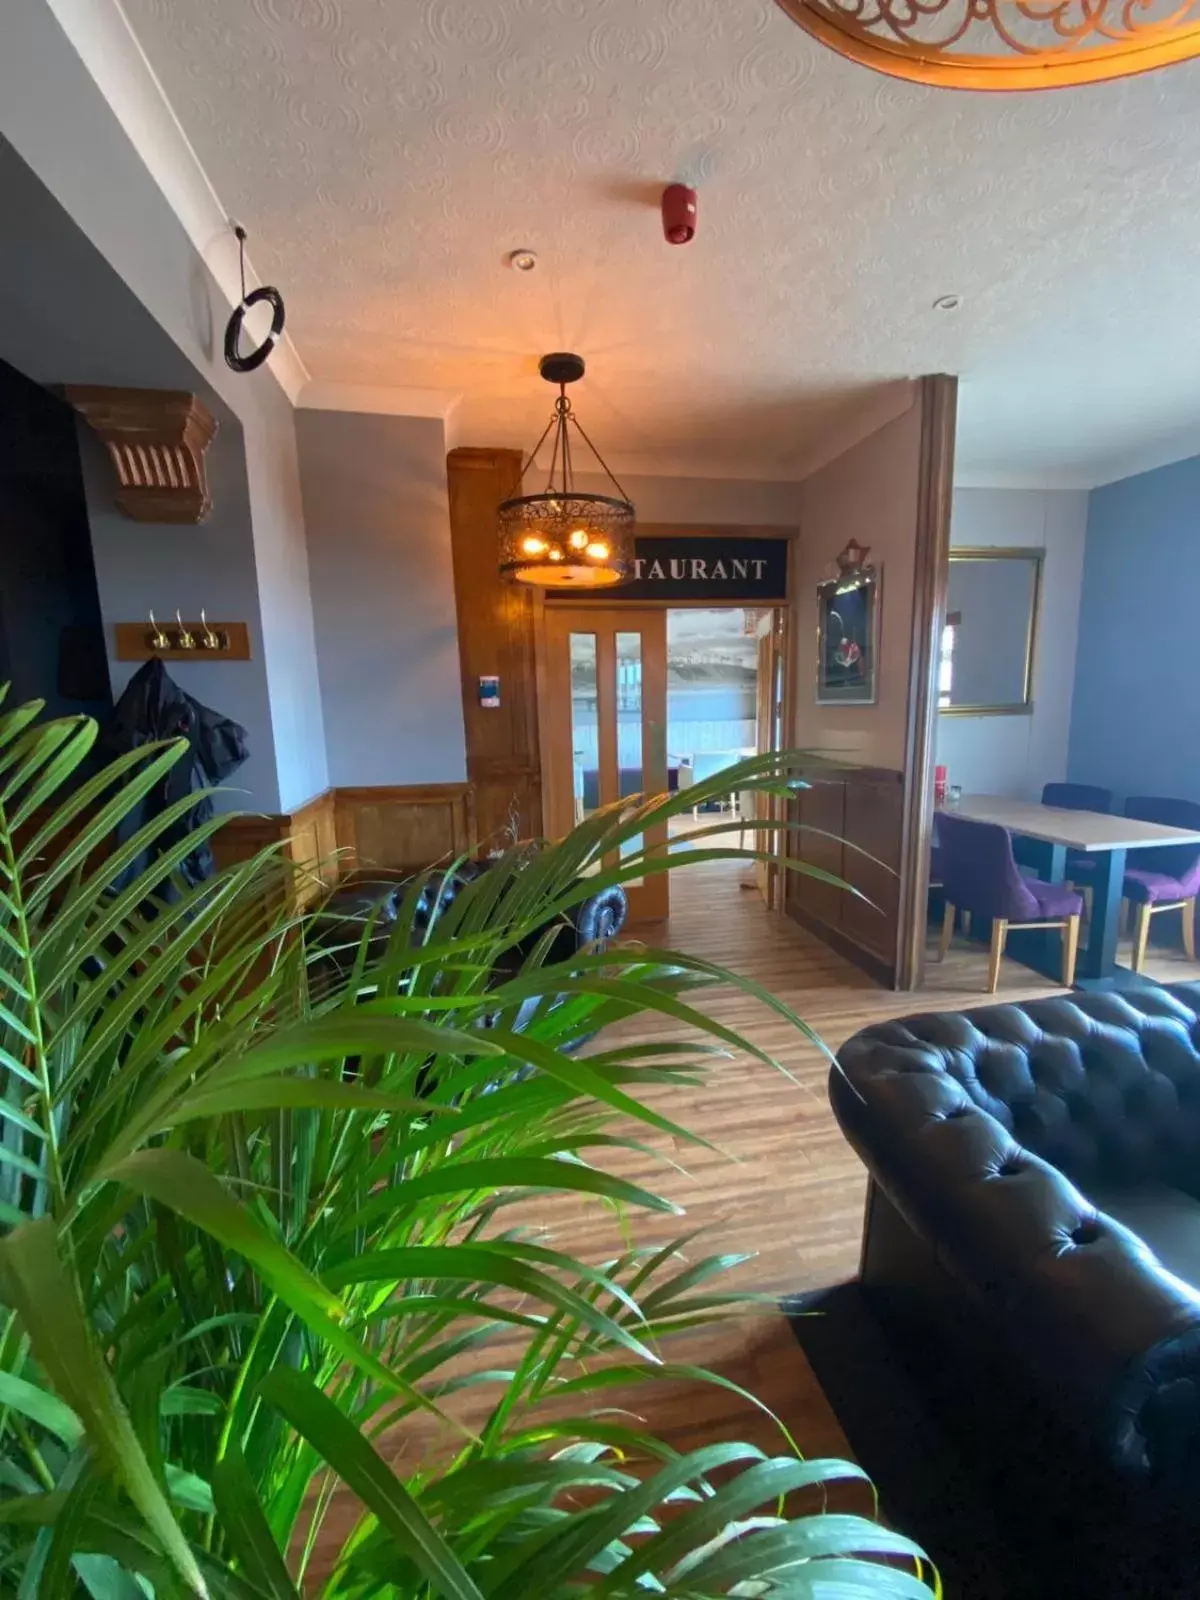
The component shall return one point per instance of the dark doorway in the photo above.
(51, 633)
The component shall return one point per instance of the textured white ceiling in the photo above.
(386, 154)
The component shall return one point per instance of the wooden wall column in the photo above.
(498, 631)
(931, 560)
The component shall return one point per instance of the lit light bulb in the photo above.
(598, 551)
(579, 539)
(556, 554)
(533, 547)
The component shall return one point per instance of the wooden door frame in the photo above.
(931, 566)
(682, 530)
(648, 897)
(669, 530)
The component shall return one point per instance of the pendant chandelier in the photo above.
(562, 538)
(1005, 44)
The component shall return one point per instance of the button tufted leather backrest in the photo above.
(1105, 1087)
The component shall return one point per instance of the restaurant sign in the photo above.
(693, 567)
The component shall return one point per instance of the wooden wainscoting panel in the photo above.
(312, 842)
(497, 636)
(394, 830)
(844, 808)
(245, 833)
(307, 835)
(873, 824)
(821, 812)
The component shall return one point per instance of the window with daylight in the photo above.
(945, 680)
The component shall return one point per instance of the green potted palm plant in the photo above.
(268, 1327)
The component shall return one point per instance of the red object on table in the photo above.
(939, 786)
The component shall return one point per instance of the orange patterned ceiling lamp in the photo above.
(564, 539)
(1005, 44)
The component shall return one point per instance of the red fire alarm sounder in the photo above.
(679, 213)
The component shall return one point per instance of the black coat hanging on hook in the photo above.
(233, 331)
(153, 707)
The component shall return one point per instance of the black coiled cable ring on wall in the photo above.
(233, 329)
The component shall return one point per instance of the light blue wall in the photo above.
(57, 121)
(1016, 755)
(1135, 724)
(378, 519)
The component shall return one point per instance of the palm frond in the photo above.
(267, 1326)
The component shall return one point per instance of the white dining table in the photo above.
(1097, 834)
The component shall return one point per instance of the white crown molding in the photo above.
(101, 35)
(377, 399)
(1061, 482)
(859, 420)
(1149, 458)
(1178, 447)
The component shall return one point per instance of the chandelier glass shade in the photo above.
(1005, 44)
(564, 538)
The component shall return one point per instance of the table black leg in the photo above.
(1097, 960)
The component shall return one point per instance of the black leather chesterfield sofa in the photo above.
(593, 923)
(1035, 1201)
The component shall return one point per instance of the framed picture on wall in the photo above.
(848, 630)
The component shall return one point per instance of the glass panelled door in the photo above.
(769, 737)
(605, 713)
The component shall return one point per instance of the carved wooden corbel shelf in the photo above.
(156, 440)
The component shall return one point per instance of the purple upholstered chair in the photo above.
(1077, 797)
(1166, 879)
(979, 875)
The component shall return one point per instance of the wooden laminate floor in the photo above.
(784, 1188)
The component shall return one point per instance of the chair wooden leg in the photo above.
(947, 931)
(1141, 935)
(999, 939)
(1189, 929)
(1070, 951)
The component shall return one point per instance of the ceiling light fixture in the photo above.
(562, 538)
(1005, 44)
(522, 260)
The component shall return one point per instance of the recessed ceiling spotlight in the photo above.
(522, 260)
(947, 302)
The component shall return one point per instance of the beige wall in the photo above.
(868, 493)
(706, 500)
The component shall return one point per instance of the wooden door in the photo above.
(769, 723)
(605, 709)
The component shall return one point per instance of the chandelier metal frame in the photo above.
(1042, 44)
(564, 538)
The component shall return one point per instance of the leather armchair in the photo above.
(594, 922)
(1006, 1144)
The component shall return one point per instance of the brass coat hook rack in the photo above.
(182, 640)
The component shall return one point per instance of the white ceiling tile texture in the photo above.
(386, 155)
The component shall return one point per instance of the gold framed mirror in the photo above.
(989, 638)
